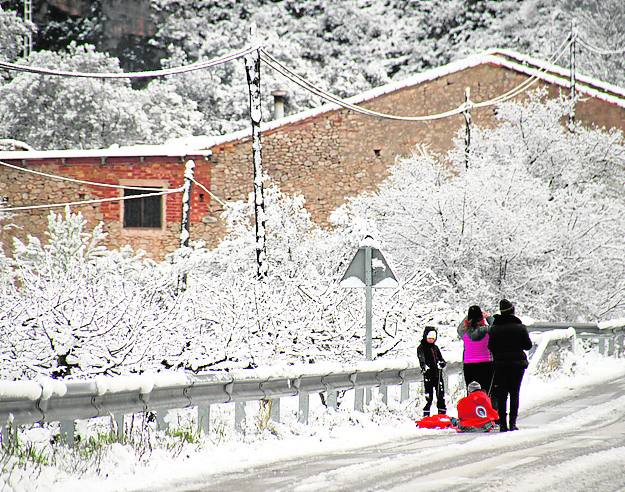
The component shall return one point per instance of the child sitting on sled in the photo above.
(475, 411)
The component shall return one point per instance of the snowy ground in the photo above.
(160, 466)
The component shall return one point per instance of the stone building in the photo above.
(326, 154)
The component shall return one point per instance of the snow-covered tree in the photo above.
(12, 31)
(63, 112)
(536, 212)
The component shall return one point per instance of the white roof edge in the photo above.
(559, 76)
(500, 57)
(615, 89)
(201, 145)
(130, 151)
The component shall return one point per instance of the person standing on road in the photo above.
(507, 342)
(432, 364)
(477, 359)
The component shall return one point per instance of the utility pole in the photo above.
(28, 19)
(185, 221)
(572, 50)
(252, 69)
(467, 125)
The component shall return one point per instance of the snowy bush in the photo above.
(536, 217)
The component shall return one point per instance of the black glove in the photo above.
(441, 364)
(424, 369)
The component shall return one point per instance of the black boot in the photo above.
(513, 426)
(503, 425)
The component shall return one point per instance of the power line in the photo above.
(87, 202)
(526, 84)
(81, 181)
(595, 49)
(305, 84)
(131, 75)
(219, 200)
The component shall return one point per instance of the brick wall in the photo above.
(28, 189)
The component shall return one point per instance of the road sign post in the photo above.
(369, 270)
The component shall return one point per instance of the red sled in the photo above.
(439, 421)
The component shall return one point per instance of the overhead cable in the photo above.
(294, 77)
(595, 49)
(526, 84)
(87, 202)
(132, 75)
(81, 181)
(220, 201)
(305, 84)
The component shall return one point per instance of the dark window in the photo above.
(143, 212)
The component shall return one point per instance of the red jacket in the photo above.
(475, 410)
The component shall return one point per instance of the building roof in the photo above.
(201, 145)
(167, 150)
(547, 72)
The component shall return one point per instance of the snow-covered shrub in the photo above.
(536, 217)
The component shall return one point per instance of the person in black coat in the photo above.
(432, 364)
(508, 341)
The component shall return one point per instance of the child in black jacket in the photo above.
(432, 364)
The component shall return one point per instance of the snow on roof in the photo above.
(512, 60)
(201, 144)
(168, 150)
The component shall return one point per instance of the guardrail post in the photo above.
(611, 346)
(384, 392)
(160, 420)
(602, 345)
(5, 435)
(67, 431)
(275, 410)
(9, 433)
(304, 404)
(405, 392)
(203, 418)
(619, 346)
(239, 416)
(119, 419)
(331, 399)
(359, 395)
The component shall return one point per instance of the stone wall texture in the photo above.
(326, 158)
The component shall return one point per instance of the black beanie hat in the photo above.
(506, 307)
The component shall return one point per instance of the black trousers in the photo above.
(482, 372)
(433, 384)
(508, 379)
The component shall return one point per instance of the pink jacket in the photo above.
(476, 345)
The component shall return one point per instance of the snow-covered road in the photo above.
(574, 443)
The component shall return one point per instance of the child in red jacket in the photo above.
(475, 411)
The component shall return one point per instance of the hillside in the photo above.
(345, 47)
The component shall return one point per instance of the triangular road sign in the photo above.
(381, 273)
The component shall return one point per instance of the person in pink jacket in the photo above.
(477, 359)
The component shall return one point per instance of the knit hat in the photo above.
(473, 386)
(506, 307)
(431, 334)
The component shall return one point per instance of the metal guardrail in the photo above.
(84, 400)
(70, 401)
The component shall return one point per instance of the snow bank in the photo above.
(16, 390)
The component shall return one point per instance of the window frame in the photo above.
(150, 183)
